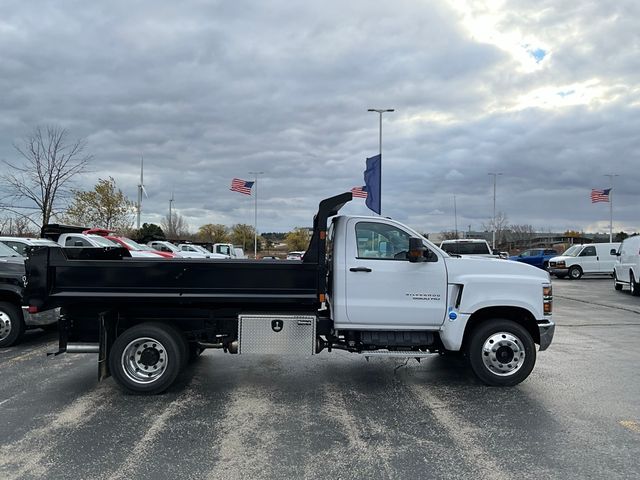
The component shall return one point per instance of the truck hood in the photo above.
(561, 258)
(459, 268)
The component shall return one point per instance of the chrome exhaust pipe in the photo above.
(83, 348)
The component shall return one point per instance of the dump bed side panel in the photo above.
(99, 275)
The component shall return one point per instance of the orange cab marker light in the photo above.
(321, 297)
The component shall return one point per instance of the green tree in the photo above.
(214, 233)
(621, 236)
(104, 207)
(242, 234)
(298, 239)
(149, 232)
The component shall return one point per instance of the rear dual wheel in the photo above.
(501, 352)
(147, 357)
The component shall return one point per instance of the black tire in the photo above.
(11, 324)
(633, 285)
(575, 273)
(147, 358)
(497, 338)
(616, 285)
(183, 343)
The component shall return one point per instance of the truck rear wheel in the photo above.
(501, 352)
(11, 324)
(146, 358)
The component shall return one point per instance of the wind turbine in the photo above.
(141, 189)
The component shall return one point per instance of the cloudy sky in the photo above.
(545, 92)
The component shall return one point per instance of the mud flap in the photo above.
(107, 335)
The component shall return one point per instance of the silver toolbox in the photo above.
(281, 334)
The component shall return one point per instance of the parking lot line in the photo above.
(631, 425)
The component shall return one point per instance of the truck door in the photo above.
(588, 260)
(383, 289)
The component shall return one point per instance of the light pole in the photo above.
(170, 214)
(611, 175)
(255, 217)
(380, 111)
(495, 176)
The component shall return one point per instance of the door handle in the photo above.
(360, 269)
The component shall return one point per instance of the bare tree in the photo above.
(175, 227)
(522, 235)
(501, 223)
(49, 163)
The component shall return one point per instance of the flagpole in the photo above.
(380, 111)
(255, 215)
(611, 175)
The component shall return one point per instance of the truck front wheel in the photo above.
(575, 273)
(11, 324)
(146, 358)
(501, 352)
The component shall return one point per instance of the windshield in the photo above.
(572, 251)
(8, 251)
(133, 245)
(466, 248)
(104, 242)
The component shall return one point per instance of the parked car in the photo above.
(295, 255)
(468, 247)
(191, 248)
(14, 319)
(84, 240)
(627, 265)
(20, 244)
(135, 249)
(578, 260)
(538, 257)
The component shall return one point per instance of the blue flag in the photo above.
(373, 182)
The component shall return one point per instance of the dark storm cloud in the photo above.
(208, 91)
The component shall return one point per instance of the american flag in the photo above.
(600, 195)
(242, 186)
(359, 192)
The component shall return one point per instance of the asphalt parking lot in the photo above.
(337, 416)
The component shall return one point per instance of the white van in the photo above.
(578, 260)
(627, 267)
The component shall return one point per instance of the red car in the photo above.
(132, 246)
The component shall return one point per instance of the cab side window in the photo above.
(588, 252)
(381, 241)
(71, 242)
(18, 247)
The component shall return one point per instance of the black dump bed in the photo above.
(59, 277)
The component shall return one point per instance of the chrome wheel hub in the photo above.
(503, 354)
(5, 325)
(144, 360)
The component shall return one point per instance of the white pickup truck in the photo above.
(368, 285)
(468, 247)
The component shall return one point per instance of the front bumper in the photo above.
(547, 328)
(558, 270)
(47, 317)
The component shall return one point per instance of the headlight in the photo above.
(561, 264)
